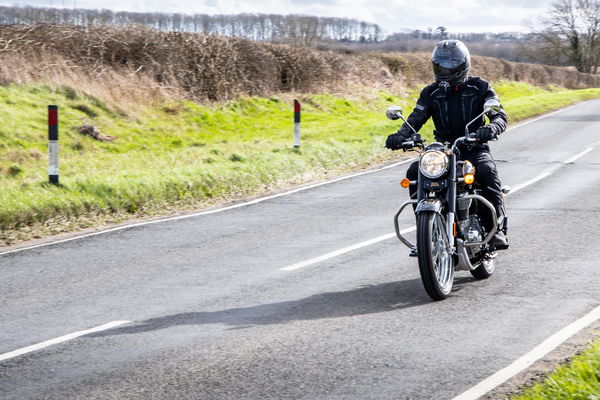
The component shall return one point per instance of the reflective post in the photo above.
(53, 144)
(297, 109)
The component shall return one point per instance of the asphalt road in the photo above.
(214, 316)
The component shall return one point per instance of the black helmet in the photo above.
(451, 61)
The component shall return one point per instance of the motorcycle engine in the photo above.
(473, 231)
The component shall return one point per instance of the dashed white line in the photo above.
(538, 178)
(61, 339)
(344, 250)
(550, 171)
(528, 359)
(578, 156)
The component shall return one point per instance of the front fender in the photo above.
(434, 205)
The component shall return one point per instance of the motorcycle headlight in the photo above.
(433, 164)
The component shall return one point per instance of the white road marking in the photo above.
(61, 339)
(344, 250)
(550, 171)
(530, 121)
(528, 359)
(578, 156)
(538, 178)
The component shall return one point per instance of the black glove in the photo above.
(485, 134)
(395, 140)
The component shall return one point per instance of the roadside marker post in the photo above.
(297, 109)
(53, 144)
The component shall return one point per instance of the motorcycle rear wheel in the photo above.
(435, 259)
(486, 268)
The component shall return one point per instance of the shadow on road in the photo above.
(387, 297)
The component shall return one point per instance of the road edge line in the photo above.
(528, 359)
(208, 212)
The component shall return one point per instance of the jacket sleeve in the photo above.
(418, 117)
(498, 119)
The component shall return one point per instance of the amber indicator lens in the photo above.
(405, 183)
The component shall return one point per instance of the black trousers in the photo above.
(486, 176)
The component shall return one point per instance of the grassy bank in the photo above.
(579, 380)
(182, 155)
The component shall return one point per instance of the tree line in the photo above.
(441, 33)
(298, 29)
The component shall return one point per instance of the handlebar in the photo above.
(410, 144)
(467, 138)
(416, 141)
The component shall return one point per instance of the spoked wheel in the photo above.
(486, 267)
(435, 259)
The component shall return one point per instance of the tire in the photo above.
(486, 268)
(435, 261)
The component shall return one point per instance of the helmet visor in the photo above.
(443, 72)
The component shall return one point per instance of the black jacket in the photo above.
(452, 108)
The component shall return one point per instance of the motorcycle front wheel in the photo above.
(435, 259)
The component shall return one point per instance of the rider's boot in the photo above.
(499, 240)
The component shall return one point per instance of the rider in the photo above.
(453, 100)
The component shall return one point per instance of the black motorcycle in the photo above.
(450, 235)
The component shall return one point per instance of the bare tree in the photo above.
(571, 35)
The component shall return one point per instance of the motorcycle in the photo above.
(449, 232)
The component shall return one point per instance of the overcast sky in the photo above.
(392, 15)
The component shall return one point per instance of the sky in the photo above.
(391, 15)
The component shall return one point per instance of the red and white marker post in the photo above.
(297, 109)
(53, 144)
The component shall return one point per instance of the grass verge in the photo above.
(183, 155)
(579, 380)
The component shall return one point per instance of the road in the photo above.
(214, 315)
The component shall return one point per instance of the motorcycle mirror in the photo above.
(492, 104)
(393, 112)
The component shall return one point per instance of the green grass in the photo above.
(185, 154)
(579, 380)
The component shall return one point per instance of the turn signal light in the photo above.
(469, 179)
(405, 183)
